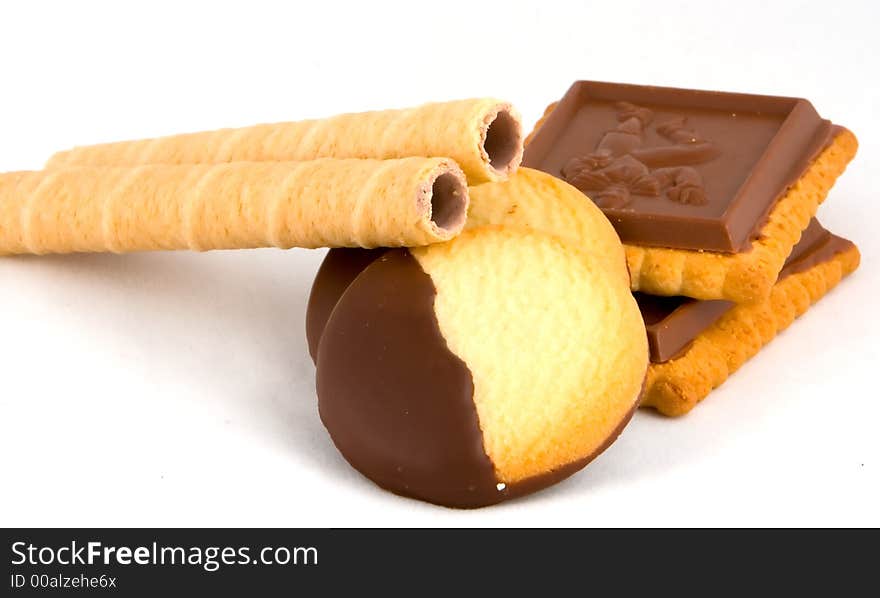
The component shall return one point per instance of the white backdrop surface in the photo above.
(175, 389)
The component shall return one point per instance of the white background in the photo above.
(176, 389)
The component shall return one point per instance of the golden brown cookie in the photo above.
(535, 200)
(676, 386)
(473, 371)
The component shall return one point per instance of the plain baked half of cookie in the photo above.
(676, 386)
(635, 157)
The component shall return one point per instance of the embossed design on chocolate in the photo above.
(763, 145)
(621, 167)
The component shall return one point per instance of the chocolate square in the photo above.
(679, 168)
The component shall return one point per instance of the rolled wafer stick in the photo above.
(319, 203)
(483, 135)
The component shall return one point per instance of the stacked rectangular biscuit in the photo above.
(714, 196)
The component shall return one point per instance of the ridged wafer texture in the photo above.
(676, 386)
(483, 135)
(747, 276)
(535, 200)
(320, 203)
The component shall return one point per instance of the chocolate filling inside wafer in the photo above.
(503, 142)
(448, 202)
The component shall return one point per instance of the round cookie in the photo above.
(535, 200)
(487, 367)
(530, 199)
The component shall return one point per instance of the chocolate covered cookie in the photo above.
(709, 191)
(484, 368)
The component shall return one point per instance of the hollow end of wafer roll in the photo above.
(502, 140)
(443, 199)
